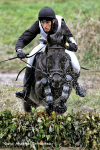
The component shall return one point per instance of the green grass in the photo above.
(76, 103)
(16, 16)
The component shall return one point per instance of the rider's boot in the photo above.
(24, 94)
(78, 88)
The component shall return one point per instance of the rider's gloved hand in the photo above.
(71, 46)
(21, 54)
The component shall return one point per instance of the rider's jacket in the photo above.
(36, 29)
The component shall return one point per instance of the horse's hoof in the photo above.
(63, 99)
(48, 110)
(61, 108)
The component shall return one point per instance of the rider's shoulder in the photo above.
(59, 17)
(35, 24)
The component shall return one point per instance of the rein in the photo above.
(31, 66)
(24, 62)
(64, 49)
(35, 54)
(54, 71)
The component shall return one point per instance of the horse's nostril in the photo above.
(57, 78)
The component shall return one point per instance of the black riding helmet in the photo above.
(46, 13)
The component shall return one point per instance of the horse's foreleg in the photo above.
(39, 87)
(65, 93)
(48, 96)
(44, 90)
(49, 99)
(61, 107)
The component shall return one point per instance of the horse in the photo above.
(52, 77)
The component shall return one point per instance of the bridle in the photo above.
(52, 72)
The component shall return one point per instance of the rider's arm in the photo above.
(27, 36)
(71, 45)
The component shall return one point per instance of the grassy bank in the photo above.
(16, 16)
(71, 130)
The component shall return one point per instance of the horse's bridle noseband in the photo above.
(56, 71)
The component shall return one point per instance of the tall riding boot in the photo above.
(27, 85)
(78, 88)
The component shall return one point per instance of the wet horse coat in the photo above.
(53, 81)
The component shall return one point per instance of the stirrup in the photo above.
(23, 94)
(20, 94)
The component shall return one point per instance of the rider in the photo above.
(47, 23)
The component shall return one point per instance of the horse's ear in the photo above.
(64, 38)
(62, 30)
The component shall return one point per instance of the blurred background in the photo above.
(83, 19)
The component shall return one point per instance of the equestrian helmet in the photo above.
(47, 14)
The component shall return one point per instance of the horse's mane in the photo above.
(56, 39)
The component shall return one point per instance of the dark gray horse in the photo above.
(53, 79)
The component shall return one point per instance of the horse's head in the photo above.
(58, 62)
(57, 39)
(52, 75)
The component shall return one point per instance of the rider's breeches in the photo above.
(74, 60)
(38, 48)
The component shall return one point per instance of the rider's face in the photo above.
(46, 25)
